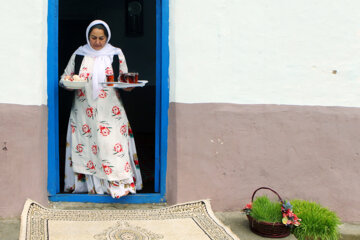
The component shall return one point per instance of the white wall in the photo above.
(265, 52)
(232, 51)
(23, 43)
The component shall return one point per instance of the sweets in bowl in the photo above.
(75, 82)
(77, 78)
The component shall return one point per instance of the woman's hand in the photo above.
(128, 89)
(66, 78)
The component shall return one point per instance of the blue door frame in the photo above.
(162, 105)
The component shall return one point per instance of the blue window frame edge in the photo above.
(162, 95)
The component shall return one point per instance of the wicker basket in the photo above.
(266, 229)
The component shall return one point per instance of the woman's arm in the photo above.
(123, 69)
(123, 65)
(69, 71)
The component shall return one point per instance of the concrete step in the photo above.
(350, 231)
(239, 224)
(9, 229)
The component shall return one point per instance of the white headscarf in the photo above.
(103, 57)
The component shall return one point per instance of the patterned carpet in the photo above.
(194, 220)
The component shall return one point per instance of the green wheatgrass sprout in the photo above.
(264, 210)
(317, 222)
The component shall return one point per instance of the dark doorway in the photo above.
(139, 48)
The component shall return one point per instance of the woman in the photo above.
(100, 149)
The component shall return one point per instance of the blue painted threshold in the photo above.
(137, 199)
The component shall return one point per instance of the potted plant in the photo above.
(305, 219)
(270, 219)
(318, 222)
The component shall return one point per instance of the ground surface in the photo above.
(236, 221)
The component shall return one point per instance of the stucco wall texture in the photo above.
(223, 54)
(300, 52)
(23, 52)
(23, 157)
(225, 151)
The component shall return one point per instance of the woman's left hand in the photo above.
(128, 89)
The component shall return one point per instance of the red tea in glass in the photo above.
(122, 78)
(136, 77)
(110, 78)
(129, 77)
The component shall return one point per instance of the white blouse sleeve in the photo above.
(69, 70)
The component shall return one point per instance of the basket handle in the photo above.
(252, 198)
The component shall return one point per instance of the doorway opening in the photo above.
(142, 41)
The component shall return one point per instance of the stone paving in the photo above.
(9, 228)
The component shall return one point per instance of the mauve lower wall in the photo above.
(23, 157)
(225, 151)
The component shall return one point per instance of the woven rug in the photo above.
(194, 220)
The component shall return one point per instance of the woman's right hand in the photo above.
(66, 78)
(129, 89)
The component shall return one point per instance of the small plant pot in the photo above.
(267, 229)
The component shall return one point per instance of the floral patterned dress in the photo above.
(100, 149)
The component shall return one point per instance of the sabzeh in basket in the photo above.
(274, 220)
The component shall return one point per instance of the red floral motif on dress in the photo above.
(72, 128)
(86, 128)
(107, 169)
(109, 71)
(80, 93)
(127, 167)
(94, 149)
(90, 165)
(84, 74)
(136, 162)
(105, 131)
(118, 148)
(116, 110)
(115, 184)
(79, 148)
(123, 129)
(102, 94)
(89, 112)
(132, 185)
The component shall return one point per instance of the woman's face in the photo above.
(97, 39)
